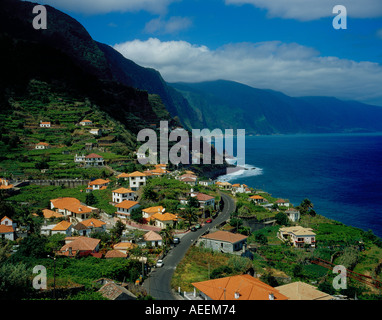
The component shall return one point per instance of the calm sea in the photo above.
(340, 173)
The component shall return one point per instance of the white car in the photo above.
(159, 263)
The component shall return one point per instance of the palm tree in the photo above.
(167, 234)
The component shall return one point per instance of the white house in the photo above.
(86, 122)
(42, 146)
(205, 200)
(122, 194)
(297, 236)
(125, 208)
(63, 227)
(293, 214)
(45, 124)
(282, 203)
(94, 160)
(223, 241)
(137, 179)
(98, 184)
(96, 132)
(206, 183)
(151, 238)
(162, 220)
(148, 212)
(7, 228)
(79, 158)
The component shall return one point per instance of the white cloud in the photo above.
(107, 6)
(291, 68)
(305, 10)
(172, 25)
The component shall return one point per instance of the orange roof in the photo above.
(93, 155)
(115, 254)
(137, 174)
(95, 223)
(62, 226)
(6, 229)
(225, 236)
(5, 218)
(123, 175)
(152, 236)
(62, 203)
(153, 209)
(81, 244)
(124, 246)
(126, 204)
(98, 182)
(164, 216)
(123, 190)
(86, 121)
(78, 209)
(256, 197)
(51, 214)
(44, 122)
(203, 197)
(241, 287)
(43, 144)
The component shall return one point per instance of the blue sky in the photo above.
(276, 44)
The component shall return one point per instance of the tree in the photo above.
(305, 206)
(261, 238)
(167, 234)
(282, 219)
(117, 230)
(189, 214)
(136, 215)
(149, 193)
(91, 199)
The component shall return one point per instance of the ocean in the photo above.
(340, 173)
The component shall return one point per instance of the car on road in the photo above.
(159, 263)
(209, 220)
(198, 226)
(193, 229)
(176, 240)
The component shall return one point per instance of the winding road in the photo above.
(158, 282)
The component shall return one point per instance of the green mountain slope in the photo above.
(228, 104)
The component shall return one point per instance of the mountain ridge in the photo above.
(263, 111)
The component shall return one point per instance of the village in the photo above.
(146, 214)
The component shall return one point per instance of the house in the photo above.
(5, 184)
(162, 220)
(50, 214)
(240, 188)
(297, 236)
(302, 291)
(224, 185)
(79, 158)
(112, 291)
(293, 214)
(137, 179)
(205, 200)
(122, 194)
(94, 160)
(152, 239)
(123, 175)
(188, 178)
(223, 241)
(115, 254)
(124, 247)
(86, 123)
(7, 228)
(148, 212)
(257, 199)
(240, 287)
(125, 208)
(206, 183)
(42, 146)
(72, 208)
(94, 225)
(78, 245)
(63, 227)
(96, 132)
(282, 203)
(98, 184)
(45, 124)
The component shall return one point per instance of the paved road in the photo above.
(158, 283)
